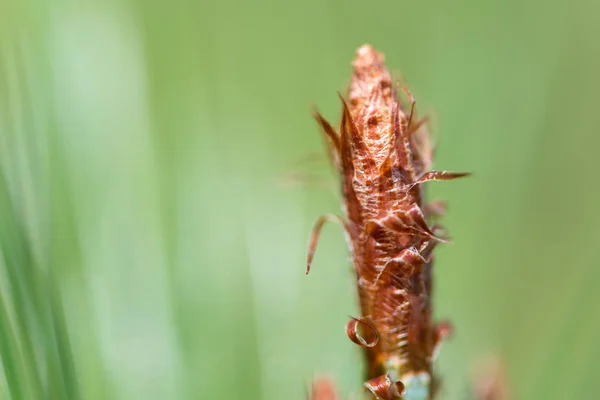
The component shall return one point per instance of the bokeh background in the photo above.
(160, 172)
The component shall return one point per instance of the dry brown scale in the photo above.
(383, 156)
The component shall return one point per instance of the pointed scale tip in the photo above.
(366, 55)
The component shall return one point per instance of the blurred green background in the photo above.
(160, 172)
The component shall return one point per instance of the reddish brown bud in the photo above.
(384, 158)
